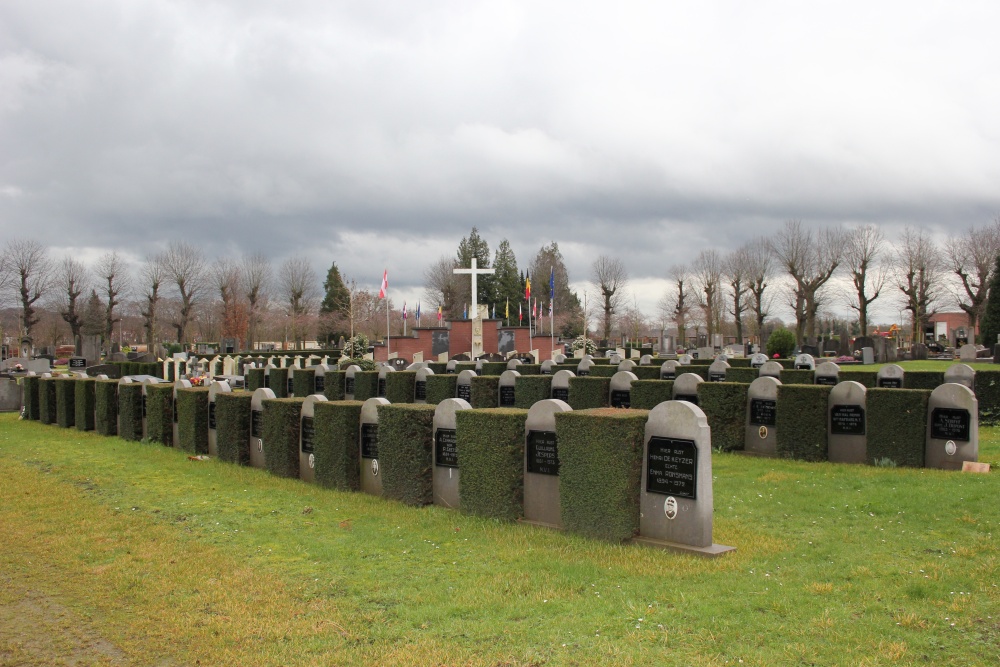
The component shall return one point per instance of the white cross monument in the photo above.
(477, 319)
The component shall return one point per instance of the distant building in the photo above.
(953, 327)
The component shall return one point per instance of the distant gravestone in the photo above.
(952, 427)
(445, 471)
(178, 384)
(112, 371)
(505, 389)
(307, 433)
(847, 427)
(583, 368)
(646, 360)
(761, 438)
(770, 369)
(889, 376)
(717, 371)
(451, 367)
(348, 381)
(559, 358)
(626, 365)
(686, 387)
(420, 385)
(961, 374)
(463, 385)
(861, 342)
(676, 501)
(290, 383)
(758, 360)
(382, 372)
(90, 349)
(805, 362)
(560, 385)
(541, 464)
(867, 356)
(548, 367)
(371, 480)
(77, 363)
(614, 359)
(918, 351)
(267, 375)
(257, 426)
(685, 359)
(810, 350)
(967, 352)
(214, 390)
(620, 392)
(827, 373)
(319, 379)
(513, 364)
(668, 371)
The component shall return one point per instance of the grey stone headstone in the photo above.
(758, 360)
(952, 427)
(319, 378)
(676, 501)
(918, 351)
(770, 369)
(847, 423)
(761, 436)
(371, 476)
(685, 359)
(967, 352)
(583, 368)
(668, 371)
(867, 356)
(307, 457)
(505, 390)
(349, 381)
(646, 360)
(290, 382)
(11, 395)
(417, 365)
(112, 371)
(267, 375)
(382, 372)
(626, 365)
(90, 349)
(805, 362)
(559, 358)
(717, 371)
(39, 365)
(178, 384)
(548, 367)
(827, 373)
(420, 385)
(620, 391)
(451, 367)
(257, 451)
(614, 359)
(722, 357)
(214, 390)
(445, 469)
(463, 385)
(889, 376)
(961, 374)
(686, 387)
(541, 464)
(560, 385)
(513, 364)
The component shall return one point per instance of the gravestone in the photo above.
(559, 358)
(229, 366)
(397, 364)
(861, 342)
(583, 368)
(758, 360)
(847, 428)
(889, 376)
(267, 375)
(967, 352)
(445, 470)
(290, 383)
(479, 365)
(805, 362)
(417, 365)
(560, 385)
(256, 443)
(722, 356)
(420, 385)
(319, 379)
(961, 374)
(463, 385)
(668, 371)
(760, 437)
(451, 367)
(685, 359)
(513, 364)
(178, 384)
(686, 387)
(371, 480)
(614, 359)
(214, 389)
(827, 373)
(112, 371)
(505, 390)
(349, 381)
(867, 356)
(11, 395)
(918, 351)
(952, 427)
(90, 349)
(676, 501)
(717, 371)
(626, 365)
(646, 360)
(77, 363)
(541, 464)
(548, 367)
(770, 369)
(382, 372)
(307, 432)
(620, 391)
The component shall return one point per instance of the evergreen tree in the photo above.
(506, 281)
(989, 327)
(334, 309)
(475, 246)
(568, 310)
(93, 316)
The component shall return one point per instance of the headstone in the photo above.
(952, 427)
(463, 385)
(513, 364)
(90, 349)
(847, 428)
(717, 371)
(371, 480)
(541, 464)
(506, 389)
(686, 387)
(706, 352)
(257, 426)
(418, 357)
(397, 364)
(626, 365)
(961, 374)
(451, 367)
(867, 356)
(758, 360)
(382, 372)
(583, 368)
(614, 359)
(445, 470)
(770, 369)
(559, 358)
(722, 356)
(805, 362)
(646, 360)
(420, 385)
(319, 378)
(112, 371)
(38, 365)
(827, 373)
(560, 385)
(810, 350)
(267, 375)
(77, 363)
(178, 384)
(229, 366)
(290, 382)
(861, 342)
(548, 367)
(889, 376)
(918, 351)
(349, 381)
(307, 457)
(620, 392)
(676, 501)
(761, 438)
(685, 359)
(967, 352)
(214, 389)
(633, 353)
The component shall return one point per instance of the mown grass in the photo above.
(176, 561)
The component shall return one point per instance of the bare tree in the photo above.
(185, 268)
(114, 281)
(811, 260)
(610, 278)
(255, 280)
(225, 274)
(151, 277)
(918, 276)
(299, 287)
(31, 274)
(707, 269)
(442, 287)
(736, 269)
(863, 250)
(760, 272)
(682, 304)
(971, 257)
(73, 282)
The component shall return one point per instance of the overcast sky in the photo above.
(377, 134)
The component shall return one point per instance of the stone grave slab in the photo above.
(770, 369)
(758, 360)
(548, 367)
(505, 390)
(962, 374)
(847, 427)
(620, 389)
(686, 387)
(319, 379)
(583, 368)
(256, 443)
(717, 370)
(513, 364)
(646, 360)
(626, 365)
(827, 373)
(805, 362)
(382, 372)
(371, 480)
(420, 385)
(761, 437)
(445, 472)
(890, 376)
(685, 359)
(560, 385)
(967, 352)
(214, 390)
(668, 371)
(541, 464)
(952, 427)
(463, 385)
(349, 381)
(307, 432)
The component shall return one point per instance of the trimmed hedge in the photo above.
(160, 413)
(491, 456)
(589, 392)
(647, 394)
(440, 387)
(130, 411)
(725, 406)
(896, 425)
(277, 381)
(106, 407)
(83, 399)
(602, 371)
(304, 382)
(232, 426)
(29, 384)
(439, 367)
(744, 375)
(192, 419)
(527, 369)
(794, 376)
(494, 368)
(400, 387)
(66, 402)
(600, 470)
(405, 443)
(987, 393)
(254, 379)
(336, 444)
(484, 391)
(281, 435)
(867, 378)
(646, 372)
(801, 421)
(333, 385)
(47, 400)
(365, 385)
(928, 380)
(529, 389)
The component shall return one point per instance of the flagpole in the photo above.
(388, 348)
(552, 308)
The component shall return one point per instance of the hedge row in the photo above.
(83, 403)
(30, 386)
(232, 426)
(400, 386)
(333, 385)
(647, 394)
(492, 462)
(335, 444)
(405, 443)
(529, 389)
(139, 368)
(896, 422)
(365, 385)
(801, 421)
(160, 413)
(589, 392)
(106, 407)
(130, 411)
(281, 435)
(47, 400)
(440, 387)
(725, 406)
(484, 391)
(304, 382)
(66, 402)
(254, 379)
(192, 419)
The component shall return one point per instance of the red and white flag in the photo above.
(385, 284)
(404, 310)
(520, 314)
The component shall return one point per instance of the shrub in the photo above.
(130, 411)
(365, 385)
(278, 382)
(440, 387)
(801, 421)
(494, 368)
(304, 382)
(160, 413)
(797, 376)
(232, 421)
(744, 375)
(47, 400)
(192, 419)
(336, 444)
(491, 459)
(780, 342)
(356, 347)
(928, 380)
(106, 407)
(83, 400)
(363, 364)
(333, 385)
(987, 394)
(405, 442)
(589, 392)
(585, 344)
(30, 386)
(400, 386)
(484, 391)
(529, 389)
(66, 402)
(647, 394)
(281, 435)
(896, 425)
(725, 406)
(254, 379)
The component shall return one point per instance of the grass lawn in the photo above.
(129, 553)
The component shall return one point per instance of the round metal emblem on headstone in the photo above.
(260, 445)
(312, 460)
(950, 448)
(374, 466)
(670, 507)
(762, 432)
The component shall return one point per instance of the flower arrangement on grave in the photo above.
(581, 343)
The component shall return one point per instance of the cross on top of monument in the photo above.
(474, 271)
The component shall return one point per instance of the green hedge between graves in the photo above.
(529, 389)
(254, 379)
(106, 407)
(405, 442)
(602, 371)
(160, 413)
(493, 367)
(987, 394)
(281, 433)
(867, 378)
(277, 381)
(744, 375)
(333, 385)
(801, 421)
(47, 400)
(589, 392)
(29, 384)
(600, 466)
(701, 370)
(83, 399)
(192, 419)
(725, 406)
(336, 444)
(491, 456)
(304, 382)
(66, 402)
(400, 387)
(365, 385)
(528, 369)
(130, 411)
(647, 372)
(440, 387)
(232, 426)
(928, 380)
(647, 394)
(484, 391)
(795, 376)
(896, 425)
(439, 367)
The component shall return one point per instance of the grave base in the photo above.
(713, 551)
